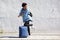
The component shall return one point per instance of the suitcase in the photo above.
(23, 32)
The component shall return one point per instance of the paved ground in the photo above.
(34, 36)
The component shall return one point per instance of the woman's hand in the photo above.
(18, 16)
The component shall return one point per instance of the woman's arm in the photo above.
(21, 14)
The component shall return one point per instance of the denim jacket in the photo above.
(26, 16)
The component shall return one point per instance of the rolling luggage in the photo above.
(23, 32)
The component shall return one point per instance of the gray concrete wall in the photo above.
(46, 15)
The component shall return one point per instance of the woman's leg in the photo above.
(27, 24)
(28, 27)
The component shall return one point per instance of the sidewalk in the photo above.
(35, 36)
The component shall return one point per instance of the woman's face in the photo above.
(25, 7)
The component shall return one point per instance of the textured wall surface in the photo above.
(46, 15)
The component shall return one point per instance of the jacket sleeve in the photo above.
(21, 13)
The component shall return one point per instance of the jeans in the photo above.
(28, 27)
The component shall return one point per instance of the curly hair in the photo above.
(24, 4)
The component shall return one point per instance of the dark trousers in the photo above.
(27, 24)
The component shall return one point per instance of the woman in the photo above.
(26, 15)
